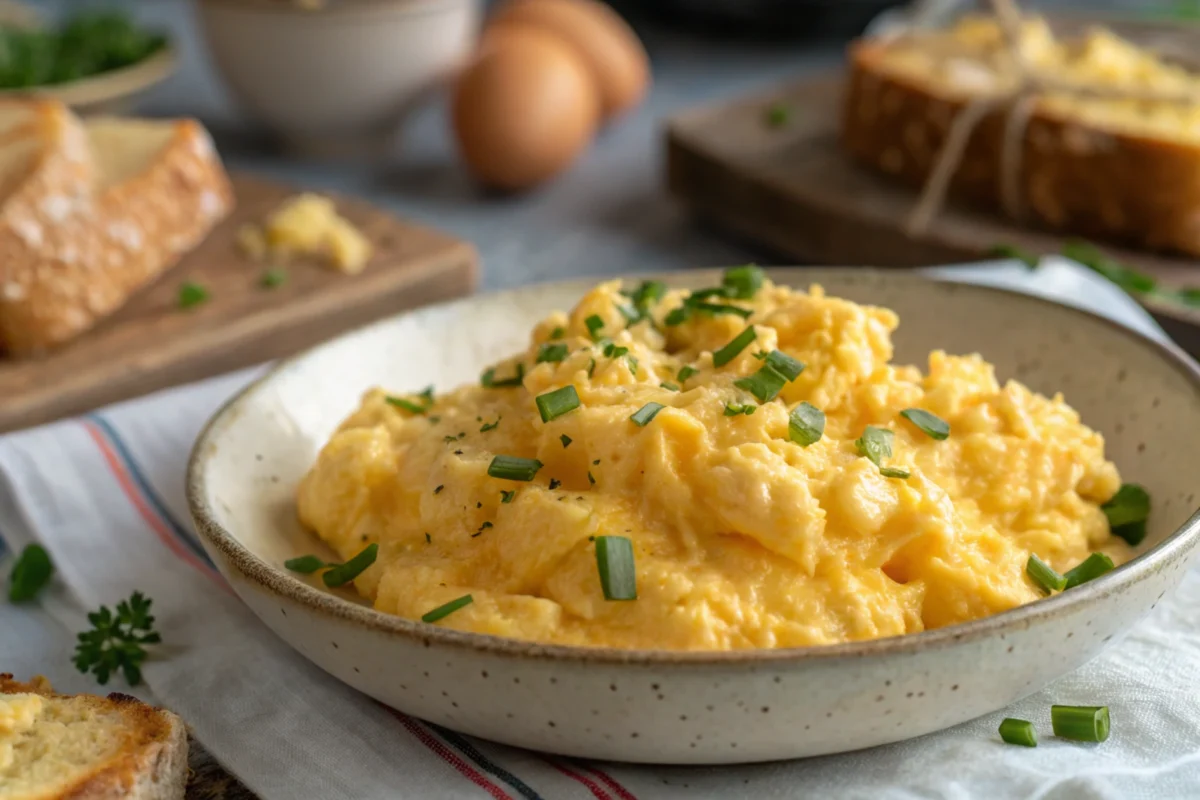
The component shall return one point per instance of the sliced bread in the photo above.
(1123, 169)
(70, 747)
(70, 257)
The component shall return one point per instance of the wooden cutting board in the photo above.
(791, 189)
(152, 343)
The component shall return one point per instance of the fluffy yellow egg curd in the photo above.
(745, 533)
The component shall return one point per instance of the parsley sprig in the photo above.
(116, 641)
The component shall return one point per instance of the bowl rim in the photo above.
(109, 85)
(274, 580)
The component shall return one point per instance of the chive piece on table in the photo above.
(1044, 575)
(594, 324)
(344, 573)
(875, 444)
(513, 468)
(685, 372)
(930, 424)
(447, 609)
(192, 294)
(743, 282)
(1127, 512)
(551, 353)
(1090, 568)
(305, 565)
(1018, 731)
(736, 345)
(806, 424)
(1080, 723)
(553, 405)
(614, 559)
(643, 415)
(894, 472)
(31, 572)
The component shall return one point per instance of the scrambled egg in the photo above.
(742, 537)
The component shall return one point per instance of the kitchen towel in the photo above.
(104, 494)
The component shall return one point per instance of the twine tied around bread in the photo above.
(1019, 104)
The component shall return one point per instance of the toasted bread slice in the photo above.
(60, 747)
(1121, 169)
(157, 188)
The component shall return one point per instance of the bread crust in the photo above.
(69, 258)
(1074, 178)
(152, 761)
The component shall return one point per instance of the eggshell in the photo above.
(525, 109)
(613, 53)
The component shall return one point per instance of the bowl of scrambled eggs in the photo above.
(714, 517)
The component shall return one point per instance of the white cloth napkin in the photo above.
(104, 494)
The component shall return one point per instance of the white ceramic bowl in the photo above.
(697, 707)
(337, 79)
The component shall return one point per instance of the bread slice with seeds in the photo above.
(70, 747)
(70, 257)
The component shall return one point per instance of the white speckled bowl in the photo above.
(709, 708)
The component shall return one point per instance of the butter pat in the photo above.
(307, 225)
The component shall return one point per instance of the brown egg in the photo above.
(524, 109)
(613, 53)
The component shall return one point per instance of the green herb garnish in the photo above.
(742, 283)
(1018, 731)
(274, 277)
(566, 441)
(89, 44)
(736, 345)
(558, 332)
(894, 472)
(777, 115)
(1044, 575)
(734, 409)
(1027, 258)
(488, 379)
(614, 560)
(685, 373)
(1127, 513)
(490, 426)
(643, 415)
(305, 565)
(116, 640)
(875, 444)
(551, 353)
(447, 609)
(512, 468)
(670, 387)
(426, 401)
(553, 405)
(591, 478)
(341, 574)
(30, 574)
(930, 424)
(594, 325)
(192, 295)
(507, 497)
(806, 424)
(1090, 568)
(1080, 723)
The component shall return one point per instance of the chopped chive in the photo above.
(894, 472)
(712, 291)
(591, 479)
(438, 488)
(342, 574)
(743, 282)
(777, 115)
(678, 316)
(447, 609)
(428, 539)
(1090, 568)
(591, 370)
(1044, 575)
(507, 497)
(551, 353)
(192, 295)
(594, 324)
(614, 559)
(735, 346)
(1080, 723)
(482, 528)
(720, 308)
(305, 565)
(1018, 731)
(875, 444)
(806, 424)
(643, 415)
(554, 484)
(733, 409)
(553, 405)
(273, 278)
(784, 364)
(558, 333)
(512, 468)
(931, 425)
(30, 574)
(1127, 513)
(488, 379)
(426, 403)
(685, 372)
(611, 350)
(490, 426)
(630, 312)
(566, 441)
(596, 463)
(765, 385)
(633, 364)
(648, 292)
(670, 387)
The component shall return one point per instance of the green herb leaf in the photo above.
(777, 115)
(743, 282)
(552, 353)
(507, 497)
(342, 574)
(647, 294)
(594, 325)
(591, 478)
(806, 424)
(566, 441)
(734, 409)
(1018, 731)
(930, 424)
(875, 444)
(192, 295)
(426, 401)
(115, 641)
(306, 565)
(716, 309)
(784, 364)
(1130, 505)
(274, 277)
(735, 346)
(614, 560)
(1094, 259)
(553, 405)
(685, 373)
(447, 609)
(643, 415)
(894, 472)
(512, 468)
(1090, 568)
(1080, 723)
(490, 426)
(591, 370)
(1044, 575)
(612, 351)
(558, 332)
(30, 574)
(488, 379)
(670, 387)
(678, 316)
